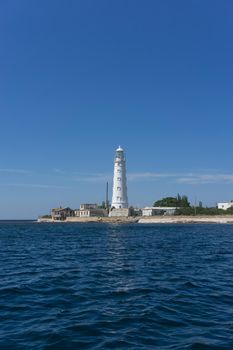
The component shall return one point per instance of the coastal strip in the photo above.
(113, 220)
(199, 219)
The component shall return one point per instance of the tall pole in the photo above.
(106, 203)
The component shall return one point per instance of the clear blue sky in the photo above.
(78, 78)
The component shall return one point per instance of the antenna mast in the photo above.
(106, 203)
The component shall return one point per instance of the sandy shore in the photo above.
(104, 219)
(116, 220)
(218, 219)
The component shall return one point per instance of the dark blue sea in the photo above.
(102, 286)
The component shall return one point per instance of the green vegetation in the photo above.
(200, 211)
(46, 217)
(229, 211)
(184, 208)
(179, 201)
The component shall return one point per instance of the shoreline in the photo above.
(217, 219)
(110, 220)
(198, 219)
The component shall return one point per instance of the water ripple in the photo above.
(97, 286)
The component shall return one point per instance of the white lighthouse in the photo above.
(119, 194)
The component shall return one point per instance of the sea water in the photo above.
(102, 286)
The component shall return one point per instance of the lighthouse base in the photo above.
(121, 212)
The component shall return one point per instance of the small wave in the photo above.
(85, 286)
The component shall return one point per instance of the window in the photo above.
(118, 188)
(119, 179)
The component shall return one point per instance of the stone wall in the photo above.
(121, 212)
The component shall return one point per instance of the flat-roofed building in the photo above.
(225, 205)
(152, 211)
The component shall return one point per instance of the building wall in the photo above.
(147, 212)
(225, 205)
(93, 212)
(152, 211)
(98, 212)
(121, 212)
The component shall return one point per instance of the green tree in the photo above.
(179, 201)
(184, 202)
(229, 211)
(166, 202)
(200, 211)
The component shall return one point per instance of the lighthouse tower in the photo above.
(119, 194)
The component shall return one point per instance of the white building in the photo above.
(225, 205)
(119, 194)
(151, 211)
(77, 212)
